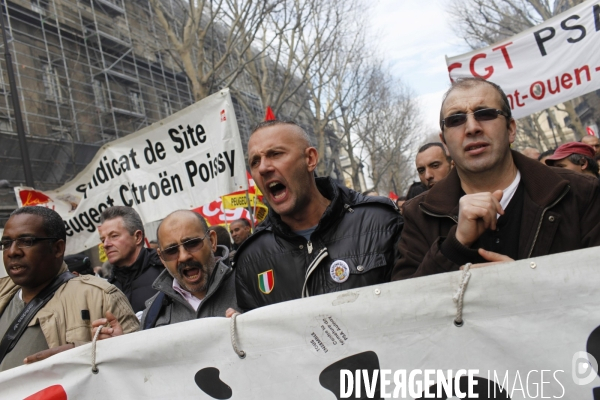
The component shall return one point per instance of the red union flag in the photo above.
(266, 281)
(545, 65)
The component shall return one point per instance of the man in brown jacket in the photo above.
(496, 205)
(33, 246)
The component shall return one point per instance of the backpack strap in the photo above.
(152, 315)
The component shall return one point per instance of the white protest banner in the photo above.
(528, 326)
(181, 162)
(544, 65)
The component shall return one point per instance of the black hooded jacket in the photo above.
(136, 281)
(356, 237)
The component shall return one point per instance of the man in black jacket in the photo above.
(134, 267)
(319, 237)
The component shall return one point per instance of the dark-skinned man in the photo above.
(56, 307)
(194, 284)
(496, 205)
(319, 237)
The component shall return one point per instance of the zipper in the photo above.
(564, 193)
(321, 255)
(347, 208)
(452, 217)
(309, 247)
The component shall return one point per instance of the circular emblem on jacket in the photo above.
(339, 271)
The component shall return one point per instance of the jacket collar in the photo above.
(541, 184)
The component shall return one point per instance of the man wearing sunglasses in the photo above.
(195, 284)
(44, 309)
(496, 205)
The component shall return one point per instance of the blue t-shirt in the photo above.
(306, 232)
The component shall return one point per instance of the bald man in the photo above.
(319, 237)
(194, 284)
(592, 141)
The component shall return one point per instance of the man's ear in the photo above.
(442, 137)
(138, 236)
(312, 158)
(213, 240)
(584, 164)
(58, 248)
(512, 130)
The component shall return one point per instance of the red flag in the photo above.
(270, 116)
(393, 196)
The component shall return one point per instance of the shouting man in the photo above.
(319, 237)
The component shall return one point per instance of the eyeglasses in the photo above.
(191, 246)
(485, 114)
(22, 242)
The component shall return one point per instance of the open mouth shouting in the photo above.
(277, 190)
(192, 272)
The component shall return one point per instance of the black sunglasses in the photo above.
(485, 114)
(22, 242)
(191, 246)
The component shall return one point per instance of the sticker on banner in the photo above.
(327, 336)
(339, 270)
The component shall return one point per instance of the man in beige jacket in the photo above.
(39, 291)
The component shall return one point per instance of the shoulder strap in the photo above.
(152, 315)
(19, 324)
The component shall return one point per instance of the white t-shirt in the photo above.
(509, 192)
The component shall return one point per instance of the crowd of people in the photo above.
(478, 202)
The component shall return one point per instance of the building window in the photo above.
(166, 108)
(4, 87)
(5, 125)
(117, 3)
(100, 95)
(39, 6)
(137, 104)
(52, 84)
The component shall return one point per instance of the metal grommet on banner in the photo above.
(241, 353)
(460, 294)
(532, 264)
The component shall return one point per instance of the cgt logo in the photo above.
(583, 368)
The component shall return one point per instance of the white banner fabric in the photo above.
(527, 327)
(181, 162)
(544, 65)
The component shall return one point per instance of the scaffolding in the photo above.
(86, 73)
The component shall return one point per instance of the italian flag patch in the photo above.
(266, 281)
